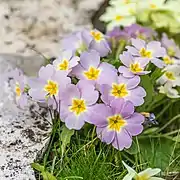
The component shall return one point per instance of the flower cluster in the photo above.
(171, 73)
(20, 87)
(102, 95)
(132, 31)
(81, 87)
(158, 13)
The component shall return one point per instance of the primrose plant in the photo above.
(82, 87)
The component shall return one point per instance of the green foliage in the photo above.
(45, 174)
(65, 137)
(147, 84)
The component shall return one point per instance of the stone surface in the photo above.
(40, 24)
(28, 25)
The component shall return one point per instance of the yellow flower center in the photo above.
(97, 35)
(119, 90)
(116, 122)
(127, 1)
(145, 53)
(135, 68)
(142, 177)
(168, 60)
(153, 6)
(171, 51)
(118, 18)
(92, 73)
(17, 90)
(51, 88)
(170, 75)
(78, 106)
(64, 65)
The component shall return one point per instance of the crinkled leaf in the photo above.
(133, 149)
(48, 176)
(148, 86)
(151, 130)
(65, 137)
(176, 138)
(37, 167)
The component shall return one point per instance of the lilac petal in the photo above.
(105, 134)
(75, 122)
(139, 91)
(122, 140)
(61, 78)
(108, 74)
(156, 48)
(88, 92)
(46, 72)
(125, 108)
(67, 55)
(105, 94)
(74, 61)
(125, 71)
(135, 118)
(71, 92)
(37, 94)
(157, 62)
(22, 102)
(132, 50)
(64, 111)
(36, 83)
(126, 58)
(130, 82)
(143, 61)
(100, 112)
(70, 42)
(136, 100)
(88, 59)
(138, 43)
(86, 36)
(78, 72)
(134, 129)
(101, 47)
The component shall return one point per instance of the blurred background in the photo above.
(40, 24)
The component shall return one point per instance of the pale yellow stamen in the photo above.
(142, 177)
(78, 106)
(97, 35)
(116, 122)
(119, 90)
(17, 90)
(168, 60)
(51, 88)
(171, 51)
(127, 1)
(92, 73)
(135, 68)
(170, 75)
(145, 53)
(64, 65)
(153, 6)
(119, 18)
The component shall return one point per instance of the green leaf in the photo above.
(148, 86)
(37, 167)
(65, 137)
(133, 149)
(156, 74)
(151, 130)
(157, 152)
(176, 138)
(48, 176)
